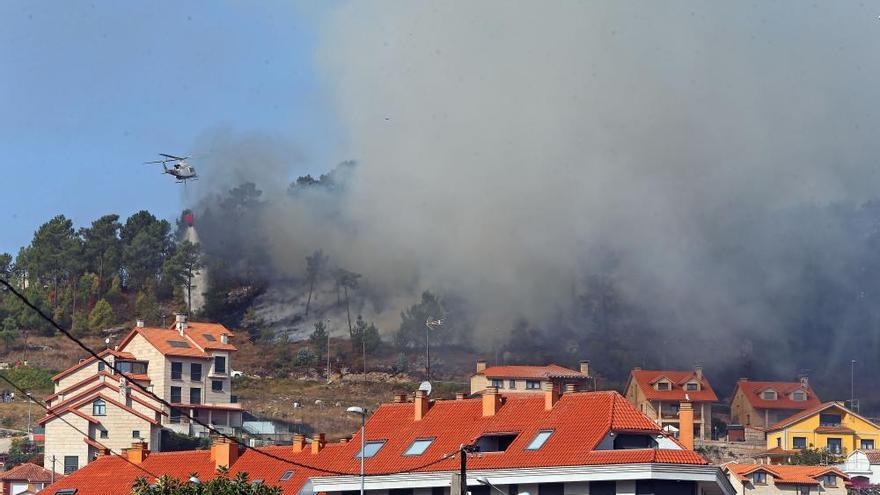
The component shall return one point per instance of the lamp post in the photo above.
(486, 482)
(429, 325)
(362, 412)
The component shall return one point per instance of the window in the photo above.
(691, 386)
(539, 439)
(99, 408)
(867, 445)
(179, 344)
(216, 385)
(219, 364)
(662, 385)
(101, 366)
(131, 367)
(829, 419)
(495, 442)
(370, 449)
(102, 433)
(419, 446)
(779, 441)
(438, 490)
(634, 441)
(71, 463)
(136, 434)
(286, 476)
(835, 445)
(195, 395)
(175, 395)
(759, 478)
(533, 385)
(829, 480)
(66, 491)
(511, 384)
(175, 415)
(209, 337)
(176, 370)
(803, 490)
(195, 372)
(799, 443)
(768, 395)
(498, 383)
(799, 396)
(550, 488)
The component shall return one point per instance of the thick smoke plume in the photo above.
(504, 147)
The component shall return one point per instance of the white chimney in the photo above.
(140, 323)
(224, 338)
(180, 322)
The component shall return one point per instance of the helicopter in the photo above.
(181, 170)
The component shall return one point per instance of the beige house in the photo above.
(764, 479)
(94, 408)
(761, 404)
(514, 379)
(659, 394)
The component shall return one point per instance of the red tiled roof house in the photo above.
(514, 379)
(659, 395)
(760, 404)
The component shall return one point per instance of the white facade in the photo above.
(858, 464)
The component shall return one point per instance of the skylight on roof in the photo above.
(539, 440)
(370, 449)
(65, 491)
(419, 446)
(179, 344)
(209, 337)
(286, 476)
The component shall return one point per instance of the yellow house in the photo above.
(829, 425)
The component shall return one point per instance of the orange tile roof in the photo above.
(646, 378)
(873, 456)
(579, 422)
(752, 392)
(93, 479)
(537, 372)
(193, 337)
(28, 472)
(794, 418)
(782, 473)
(90, 360)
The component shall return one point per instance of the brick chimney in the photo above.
(491, 401)
(421, 405)
(318, 442)
(686, 424)
(481, 365)
(224, 453)
(137, 453)
(585, 367)
(698, 370)
(299, 442)
(551, 396)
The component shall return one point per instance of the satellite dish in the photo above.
(425, 387)
(107, 341)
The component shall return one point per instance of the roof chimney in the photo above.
(805, 380)
(460, 395)
(224, 338)
(318, 442)
(180, 322)
(224, 453)
(139, 323)
(481, 365)
(686, 424)
(491, 401)
(585, 367)
(571, 388)
(400, 398)
(698, 370)
(422, 404)
(299, 442)
(551, 396)
(137, 453)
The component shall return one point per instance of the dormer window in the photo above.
(799, 396)
(662, 385)
(829, 480)
(495, 442)
(759, 478)
(692, 386)
(768, 395)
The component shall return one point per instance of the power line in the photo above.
(211, 429)
(68, 423)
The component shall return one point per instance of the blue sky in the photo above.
(90, 89)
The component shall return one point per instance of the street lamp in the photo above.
(430, 324)
(485, 482)
(362, 412)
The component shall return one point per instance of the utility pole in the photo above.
(463, 452)
(328, 351)
(52, 474)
